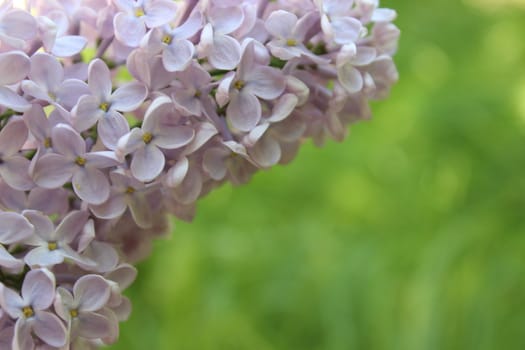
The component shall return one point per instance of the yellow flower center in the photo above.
(130, 190)
(166, 39)
(104, 106)
(52, 245)
(47, 142)
(28, 311)
(197, 93)
(147, 137)
(291, 42)
(139, 12)
(73, 313)
(80, 161)
(239, 84)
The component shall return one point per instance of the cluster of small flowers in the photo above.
(116, 112)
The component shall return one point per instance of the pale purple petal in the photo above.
(92, 325)
(14, 66)
(177, 173)
(213, 162)
(266, 152)
(44, 227)
(159, 13)
(99, 80)
(13, 136)
(10, 99)
(91, 185)
(71, 225)
(11, 302)
(111, 128)
(123, 275)
(129, 30)
(87, 112)
(128, 97)
(280, 24)
(244, 111)
(283, 108)
(38, 288)
(23, 339)
(49, 201)
(46, 71)
(9, 261)
(346, 30)
(225, 53)
(140, 211)
(350, 78)
(147, 163)
(19, 24)
(92, 292)
(265, 82)
(101, 159)
(67, 141)
(70, 91)
(14, 228)
(189, 190)
(226, 19)
(114, 207)
(41, 256)
(68, 45)
(52, 171)
(50, 329)
(130, 142)
(15, 172)
(384, 15)
(177, 56)
(171, 137)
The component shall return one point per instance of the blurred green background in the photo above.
(409, 235)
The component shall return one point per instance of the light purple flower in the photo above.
(73, 162)
(289, 34)
(53, 244)
(14, 168)
(17, 27)
(14, 66)
(159, 130)
(54, 38)
(103, 106)
(251, 81)
(348, 61)
(78, 309)
(177, 51)
(126, 192)
(136, 15)
(222, 50)
(337, 22)
(38, 293)
(46, 83)
(191, 86)
(14, 228)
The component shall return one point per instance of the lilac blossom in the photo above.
(52, 245)
(46, 83)
(289, 34)
(168, 102)
(54, 38)
(90, 294)
(222, 50)
(244, 88)
(37, 295)
(159, 130)
(136, 15)
(17, 27)
(177, 50)
(14, 66)
(14, 168)
(104, 106)
(73, 162)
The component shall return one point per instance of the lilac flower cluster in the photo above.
(114, 113)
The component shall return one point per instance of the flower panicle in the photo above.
(115, 113)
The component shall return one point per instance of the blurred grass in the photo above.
(409, 235)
